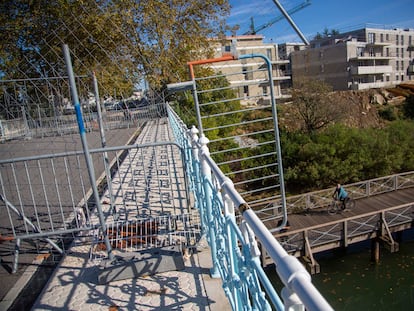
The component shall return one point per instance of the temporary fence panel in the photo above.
(240, 120)
(49, 196)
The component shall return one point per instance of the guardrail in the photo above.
(234, 249)
(346, 231)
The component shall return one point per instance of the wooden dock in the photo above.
(375, 217)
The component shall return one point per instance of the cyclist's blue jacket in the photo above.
(342, 194)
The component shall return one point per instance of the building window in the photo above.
(388, 52)
(397, 54)
(397, 65)
(387, 37)
(360, 51)
(382, 37)
(402, 65)
(397, 40)
(397, 77)
(402, 52)
(264, 88)
(269, 54)
(402, 39)
(371, 37)
(246, 90)
(371, 52)
(387, 78)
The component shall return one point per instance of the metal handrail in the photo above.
(234, 250)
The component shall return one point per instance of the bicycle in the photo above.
(337, 206)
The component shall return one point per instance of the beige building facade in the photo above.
(245, 75)
(360, 59)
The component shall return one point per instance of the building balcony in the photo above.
(366, 57)
(372, 85)
(280, 62)
(376, 43)
(369, 70)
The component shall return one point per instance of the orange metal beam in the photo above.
(208, 61)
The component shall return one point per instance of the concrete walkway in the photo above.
(74, 284)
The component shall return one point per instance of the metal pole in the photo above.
(103, 143)
(88, 159)
(291, 22)
(197, 107)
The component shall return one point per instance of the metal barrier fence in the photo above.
(41, 107)
(66, 124)
(50, 197)
(235, 253)
(240, 121)
(151, 232)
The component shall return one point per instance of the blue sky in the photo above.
(342, 15)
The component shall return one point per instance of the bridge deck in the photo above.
(380, 202)
(376, 216)
(75, 286)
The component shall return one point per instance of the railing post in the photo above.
(231, 247)
(208, 200)
(197, 179)
(291, 300)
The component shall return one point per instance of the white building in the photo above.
(251, 44)
(359, 59)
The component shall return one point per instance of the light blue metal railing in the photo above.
(234, 248)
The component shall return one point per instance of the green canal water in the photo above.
(350, 281)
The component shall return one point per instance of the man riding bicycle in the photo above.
(341, 195)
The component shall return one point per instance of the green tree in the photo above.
(122, 40)
(313, 102)
(326, 33)
(409, 107)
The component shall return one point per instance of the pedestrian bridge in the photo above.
(166, 191)
(384, 207)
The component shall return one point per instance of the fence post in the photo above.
(291, 300)
(208, 200)
(88, 159)
(103, 144)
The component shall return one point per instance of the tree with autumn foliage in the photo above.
(123, 41)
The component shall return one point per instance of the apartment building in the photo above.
(285, 50)
(359, 59)
(243, 74)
